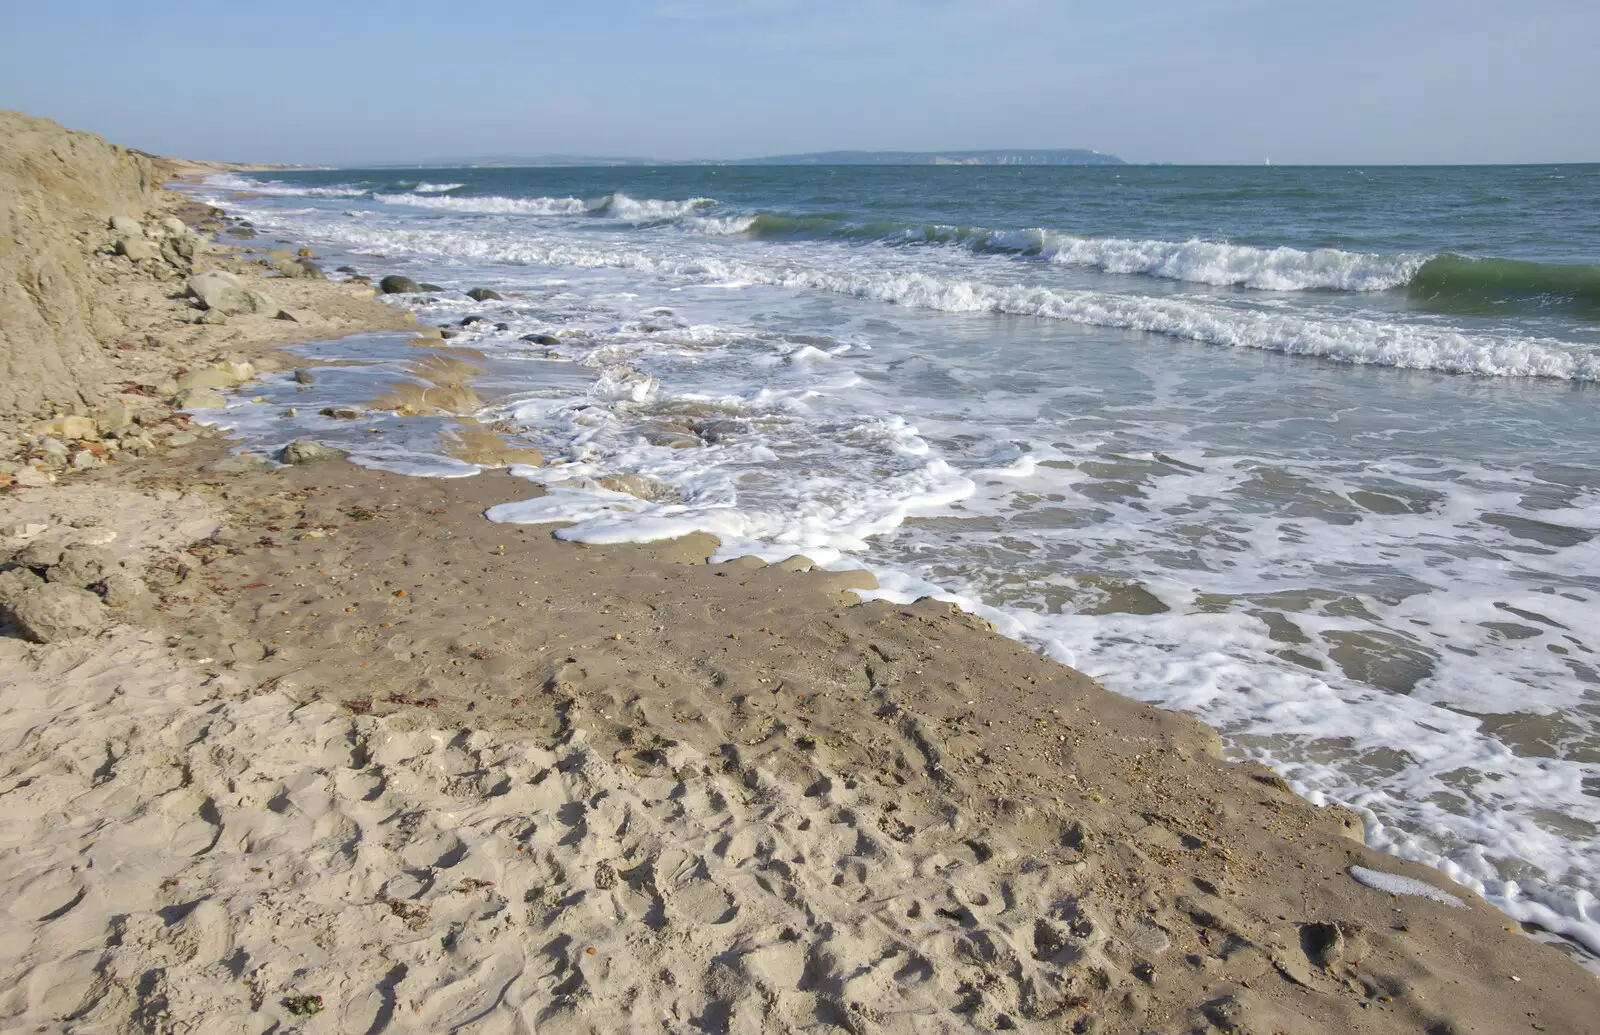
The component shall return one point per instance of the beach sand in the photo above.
(359, 760)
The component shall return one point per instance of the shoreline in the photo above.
(622, 764)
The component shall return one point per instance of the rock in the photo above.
(309, 451)
(45, 614)
(138, 249)
(124, 590)
(1226, 1012)
(394, 284)
(116, 415)
(212, 317)
(502, 326)
(220, 290)
(178, 251)
(641, 486)
(238, 463)
(72, 427)
(261, 303)
(127, 226)
(29, 477)
(213, 376)
(304, 376)
(183, 438)
(81, 566)
(299, 316)
(846, 581)
(24, 529)
(542, 339)
(430, 287)
(346, 269)
(470, 320)
(198, 399)
(428, 330)
(484, 295)
(176, 227)
(310, 270)
(15, 583)
(341, 412)
(84, 460)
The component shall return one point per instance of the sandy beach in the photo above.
(318, 748)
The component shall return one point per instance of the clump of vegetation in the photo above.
(303, 1005)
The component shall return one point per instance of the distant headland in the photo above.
(1057, 156)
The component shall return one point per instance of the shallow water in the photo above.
(1234, 441)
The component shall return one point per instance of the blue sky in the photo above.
(1359, 81)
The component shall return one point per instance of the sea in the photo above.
(1310, 453)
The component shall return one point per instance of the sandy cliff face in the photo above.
(58, 188)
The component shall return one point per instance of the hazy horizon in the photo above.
(1206, 82)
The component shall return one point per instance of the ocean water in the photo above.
(1313, 454)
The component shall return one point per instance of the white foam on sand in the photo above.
(1395, 884)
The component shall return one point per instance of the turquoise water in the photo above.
(1311, 453)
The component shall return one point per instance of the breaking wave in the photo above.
(1353, 339)
(614, 206)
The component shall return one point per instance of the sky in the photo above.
(1184, 81)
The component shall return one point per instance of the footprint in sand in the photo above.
(47, 896)
(192, 821)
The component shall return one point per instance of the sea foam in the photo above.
(1346, 339)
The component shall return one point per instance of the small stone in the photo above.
(45, 614)
(542, 339)
(398, 285)
(309, 451)
(299, 316)
(304, 376)
(212, 318)
(341, 412)
(138, 249)
(183, 438)
(220, 290)
(127, 226)
(83, 460)
(429, 287)
(483, 295)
